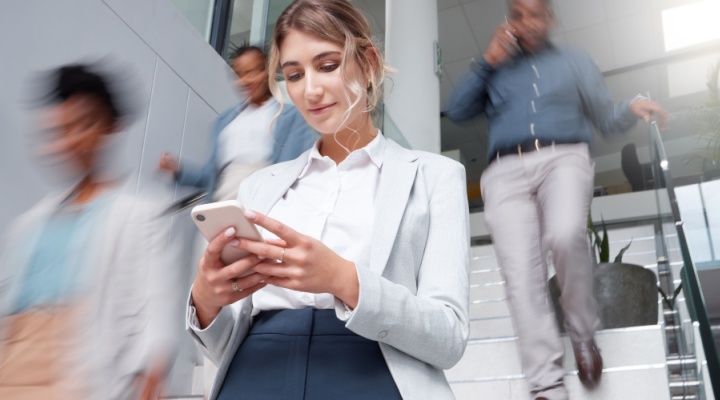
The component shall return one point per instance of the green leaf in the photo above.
(670, 302)
(594, 238)
(604, 245)
(618, 258)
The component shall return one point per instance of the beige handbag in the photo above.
(33, 346)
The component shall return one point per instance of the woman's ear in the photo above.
(372, 56)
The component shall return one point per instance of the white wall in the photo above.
(412, 95)
(183, 85)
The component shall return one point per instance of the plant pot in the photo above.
(626, 295)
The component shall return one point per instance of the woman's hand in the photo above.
(216, 283)
(151, 382)
(300, 262)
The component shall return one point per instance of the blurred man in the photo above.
(541, 102)
(245, 138)
(85, 281)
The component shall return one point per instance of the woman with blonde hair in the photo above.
(360, 289)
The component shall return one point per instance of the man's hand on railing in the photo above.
(648, 109)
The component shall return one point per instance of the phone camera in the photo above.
(200, 217)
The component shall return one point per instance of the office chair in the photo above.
(640, 175)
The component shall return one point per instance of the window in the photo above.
(691, 24)
(199, 13)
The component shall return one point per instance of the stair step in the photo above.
(620, 348)
(490, 291)
(485, 250)
(485, 275)
(640, 383)
(489, 309)
(488, 328)
(483, 264)
(635, 365)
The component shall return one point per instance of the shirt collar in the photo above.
(375, 150)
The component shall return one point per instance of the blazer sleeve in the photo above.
(216, 339)
(202, 176)
(232, 323)
(293, 136)
(195, 175)
(431, 324)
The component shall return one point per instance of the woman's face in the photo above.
(76, 129)
(312, 72)
(252, 77)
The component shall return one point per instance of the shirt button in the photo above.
(306, 298)
(382, 334)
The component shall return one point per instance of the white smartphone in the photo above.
(214, 218)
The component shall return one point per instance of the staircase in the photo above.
(637, 364)
(635, 360)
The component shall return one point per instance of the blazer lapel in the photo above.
(396, 181)
(281, 178)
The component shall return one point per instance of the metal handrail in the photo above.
(692, 285)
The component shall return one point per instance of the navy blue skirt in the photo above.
(306, 354)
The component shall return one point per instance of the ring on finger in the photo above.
(282, 256)
(235, 286)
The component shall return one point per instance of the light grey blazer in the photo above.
(414, 291)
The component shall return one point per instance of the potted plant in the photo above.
(626, 294)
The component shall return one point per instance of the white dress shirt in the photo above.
(248, 139)
(334, 204)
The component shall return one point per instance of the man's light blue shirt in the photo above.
(557, 94)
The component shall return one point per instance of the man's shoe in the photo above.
(589, 363)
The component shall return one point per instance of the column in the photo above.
(412, 95)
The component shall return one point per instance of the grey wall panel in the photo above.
(166, 119)
(185, 51)
(196, 137)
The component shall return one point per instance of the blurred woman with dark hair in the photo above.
(247, 137)
(84, 283)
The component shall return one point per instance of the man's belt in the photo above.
(529, 147)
